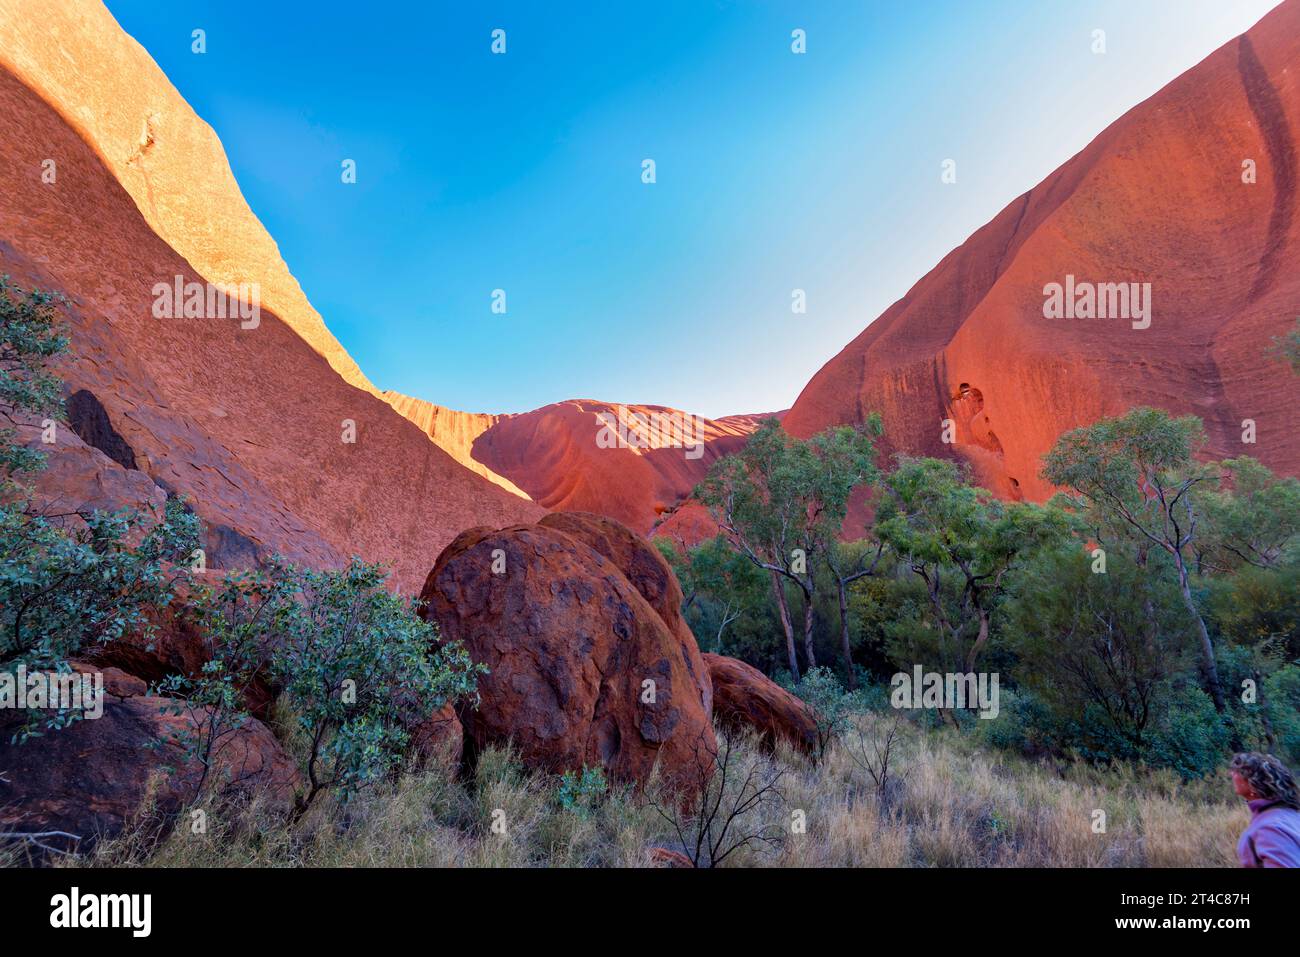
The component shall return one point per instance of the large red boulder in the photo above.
(746, 699)
(581, 669)
(96, 776)
(648, 571)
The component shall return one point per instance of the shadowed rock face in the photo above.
(582, 670)
(94, 777)
(247, 423)
(1158, 197)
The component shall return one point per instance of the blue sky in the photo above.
(522, 171)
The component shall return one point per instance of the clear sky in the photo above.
(522, 171)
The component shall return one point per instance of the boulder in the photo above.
(648, 571)
(582, 669)
(94, 778)
(746, 699)
(439, 740)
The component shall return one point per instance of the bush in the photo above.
(832, 709)
(80, 579)
(581, 791)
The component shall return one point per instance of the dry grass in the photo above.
(953, 806)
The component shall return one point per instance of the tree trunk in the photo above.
(845, 650)
(1208, 667)
(808, 629)
(980, 641)
(779, 590)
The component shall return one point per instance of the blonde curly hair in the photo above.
(1268, 777)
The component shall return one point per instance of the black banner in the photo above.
(144, 907)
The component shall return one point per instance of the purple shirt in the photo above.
(1272, 838)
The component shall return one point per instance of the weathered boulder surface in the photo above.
(746, 699)
(95, 777)
(582, 669)
(649, 573)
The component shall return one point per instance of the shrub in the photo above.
(359, 670)
(78, 579)
(580, 791)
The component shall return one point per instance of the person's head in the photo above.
(1261, 776)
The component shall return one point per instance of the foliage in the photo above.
(30, 338)
(962, 544)
(832, 710)
(71, 581)
(359, 669)
(1253, 519)
(1138, 473)
(1097, 646)
(781, 501)
(725, 595)
(581, 791)
(1287, 347)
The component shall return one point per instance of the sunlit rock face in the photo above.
(114, 189)
(1163, 196)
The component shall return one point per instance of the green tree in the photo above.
(30, 339)
(781, 500)
(1139, 470)
(720, 587)
(1287, 347)
(942, 527)
(848, 563)
(1252, 519)
(1083, 645)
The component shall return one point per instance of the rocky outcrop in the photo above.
(454, 432)
(1192, 191)
(745, 699)
(563, 458)
(582, 670)
(268, 430)
(553, 456)
(74, 56)
(98, 776)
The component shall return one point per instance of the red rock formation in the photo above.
(247, 422)
(570, 645)
(1157, 197)
(746, 699)
(553, 454)
(454, 432)
(75, 57)
(94, 777)
(645, 568)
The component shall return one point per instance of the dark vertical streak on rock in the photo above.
(1266, 105)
